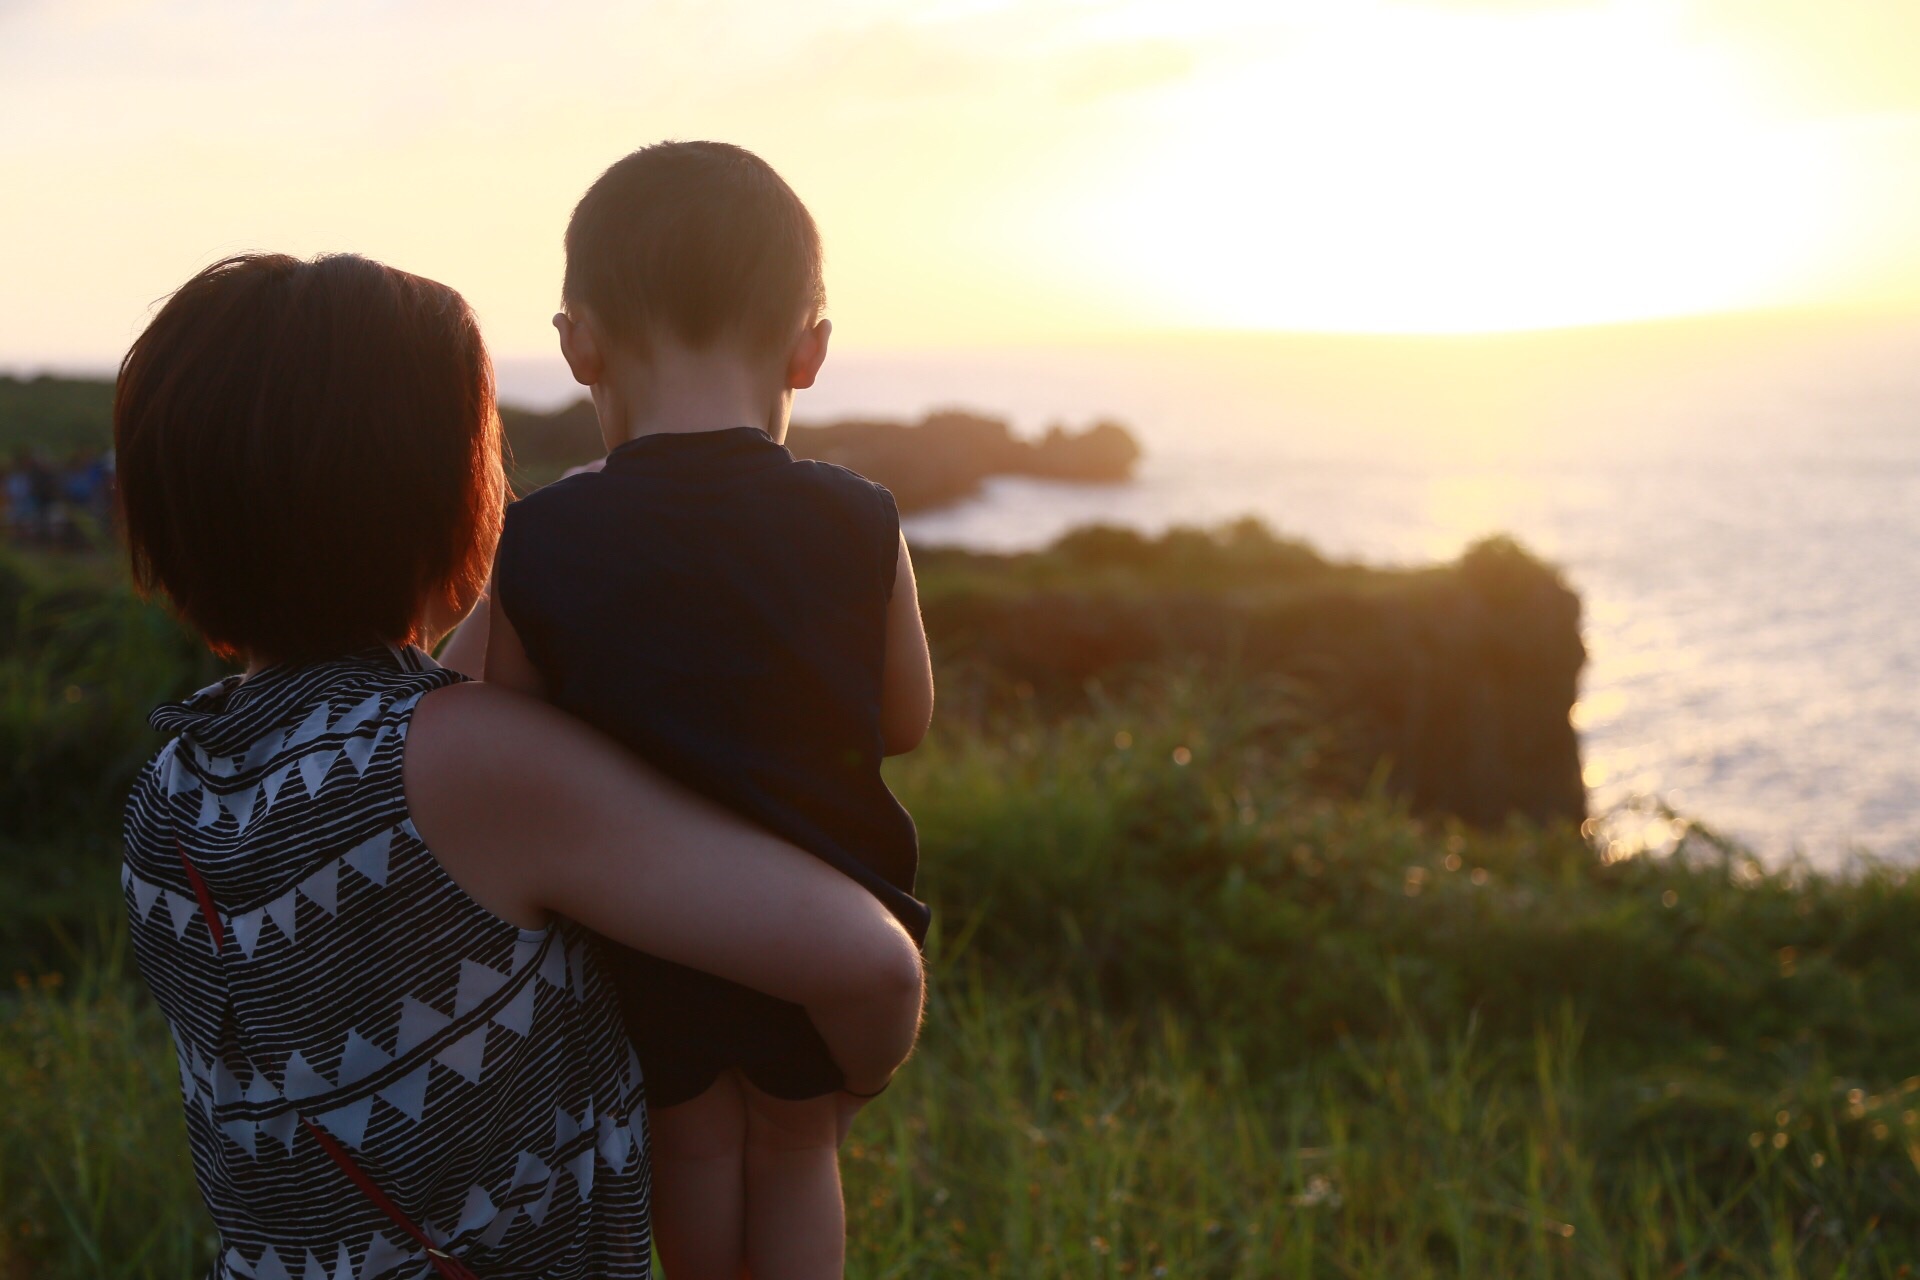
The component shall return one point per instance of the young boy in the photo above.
(746, 622)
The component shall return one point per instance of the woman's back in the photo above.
(471, 1069)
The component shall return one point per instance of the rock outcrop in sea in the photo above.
(942, 459)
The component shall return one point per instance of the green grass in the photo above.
(94, 1174)
(1036, 1136)
(1267, 1032)
(1193, 1015)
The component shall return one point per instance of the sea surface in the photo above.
(1738, 504)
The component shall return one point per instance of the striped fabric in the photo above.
(475, 1071)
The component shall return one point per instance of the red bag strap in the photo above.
(444, 1263)
(200, 891)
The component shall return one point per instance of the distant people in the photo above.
(106, 499)
(67, 506)
(357, 884)
(18, 495)
(44, 493)
(73, 487)
(89, 496)
(745, 622)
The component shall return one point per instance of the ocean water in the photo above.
(1738, 505)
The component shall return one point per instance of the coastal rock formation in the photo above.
(1452, 683)
(942, 459)
(946, 456)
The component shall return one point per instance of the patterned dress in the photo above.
(349, 995)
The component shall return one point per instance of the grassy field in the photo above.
(1194, 1014)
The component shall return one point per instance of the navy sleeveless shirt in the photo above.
(720, 607)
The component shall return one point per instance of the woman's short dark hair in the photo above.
(701, 241)
(308, 454)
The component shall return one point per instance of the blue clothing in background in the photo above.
(720, 607)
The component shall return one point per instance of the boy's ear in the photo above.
(580, 344)
(803, 366)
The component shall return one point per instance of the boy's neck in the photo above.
(682, 392)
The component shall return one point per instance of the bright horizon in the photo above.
(1052, 171)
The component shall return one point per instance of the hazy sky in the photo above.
(1045, 169)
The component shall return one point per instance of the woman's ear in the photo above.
(580, 345)
(809, 353)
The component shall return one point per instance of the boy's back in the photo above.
(734, 617)
(721, 609)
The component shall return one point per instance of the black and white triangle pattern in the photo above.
(477, 1071)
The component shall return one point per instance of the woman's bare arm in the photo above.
(532, 812)
(906, 688)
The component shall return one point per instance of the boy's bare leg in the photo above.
(796, 1222)
(699, 1183)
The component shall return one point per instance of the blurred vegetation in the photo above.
(81, 663)
(1452, 683)
(1199, 1008)
(54, 415)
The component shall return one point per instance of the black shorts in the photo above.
(687, 1027)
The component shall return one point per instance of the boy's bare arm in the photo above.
(507, 661)
(906, 688)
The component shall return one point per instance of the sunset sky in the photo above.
(1034, 171)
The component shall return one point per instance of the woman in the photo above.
(358, 884)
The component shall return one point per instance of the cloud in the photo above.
(1504, 6)
(890, 61)
(1109, 70)
(1823, 58)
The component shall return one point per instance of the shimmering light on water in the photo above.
(1750, 627)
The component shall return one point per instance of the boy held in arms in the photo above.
(747, 623)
